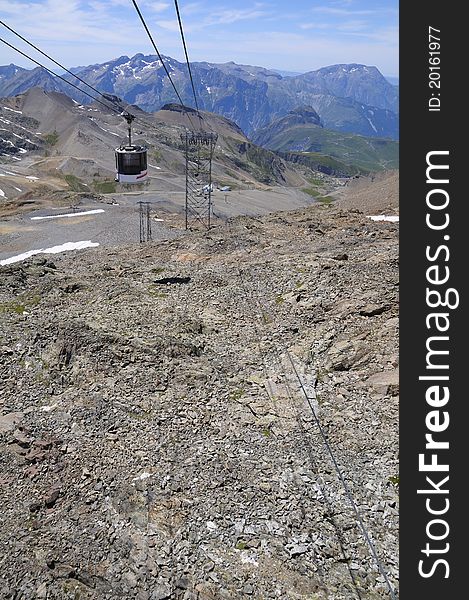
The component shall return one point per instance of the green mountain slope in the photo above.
(288, 135)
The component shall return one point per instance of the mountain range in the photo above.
(51, 142)
(349, 98)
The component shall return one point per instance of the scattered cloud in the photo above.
(306, 26)
(171, 25)
(193, 8)
(353, 25)
(211, 18)
(270, 33)
(343, 12)
(229, 16)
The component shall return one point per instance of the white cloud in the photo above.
(229, 16)
(306, 26)
(215, 18)
(354, 25)
(343, 12)
(157, 7)
(192, 8)
(146, 5)
(384, 35)
(80, 33)
(171, 25)
(57, 26)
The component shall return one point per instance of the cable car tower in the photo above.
(199, 148)
(131, 160)
(145, 221)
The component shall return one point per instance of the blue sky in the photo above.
(298, 35)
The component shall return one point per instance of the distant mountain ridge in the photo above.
(16, 80)
(359, 82)
(350, 98)
(9, 71)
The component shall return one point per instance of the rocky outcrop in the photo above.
(15, 138)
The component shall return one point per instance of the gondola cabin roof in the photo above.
(135, 149)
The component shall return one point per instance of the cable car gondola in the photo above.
(131, 160)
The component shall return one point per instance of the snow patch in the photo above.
(49, 408)
(111, 132)
(372, 124)
(149, 65)
(390, 218)
(2, 194)
(20, 126)
(69, 215)
(142, 476)
(53, 250)
(16, 135)
(248, 558)
(12, 132)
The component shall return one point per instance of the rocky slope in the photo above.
(360, 82)
(8, 71)
(377, 194)
(71, 146)
(18, 81)
(350, 98)
(17, 133)
(155, 441)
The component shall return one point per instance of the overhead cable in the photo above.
(54, 61)
(112, 105)
(54, 74)
(186, 54)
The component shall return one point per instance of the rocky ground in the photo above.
(377, 194)
(155, 440)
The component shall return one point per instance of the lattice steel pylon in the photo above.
(145, 222)
(199, 148)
